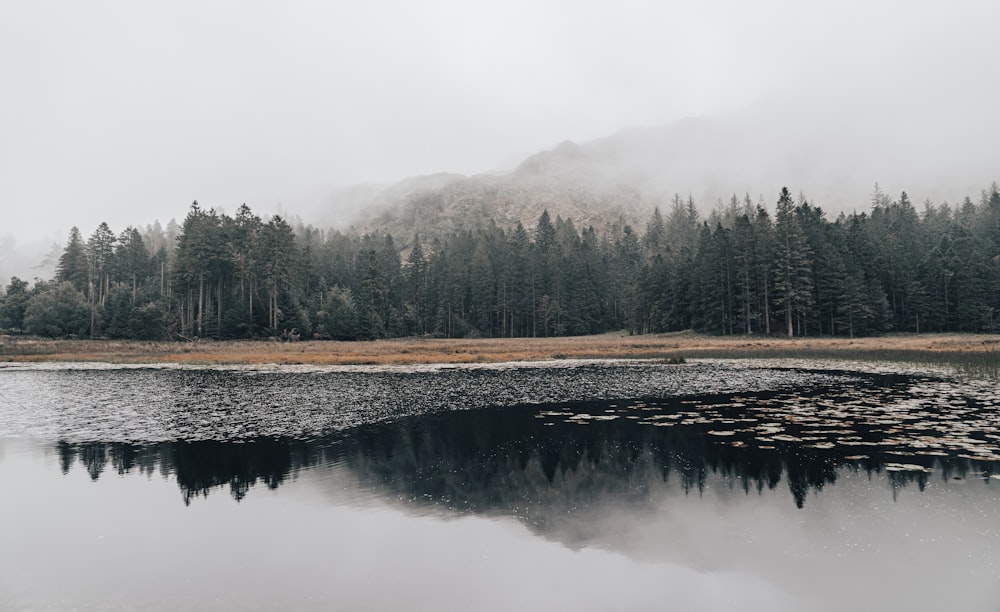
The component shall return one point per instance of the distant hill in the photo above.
(564, 181)
(835, 159)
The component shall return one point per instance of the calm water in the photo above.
(700, 487)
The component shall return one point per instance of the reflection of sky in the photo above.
(320, 542)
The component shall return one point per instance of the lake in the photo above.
(576, 485)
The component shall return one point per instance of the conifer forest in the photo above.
(781, 268)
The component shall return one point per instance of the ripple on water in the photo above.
(144, 404)
(739, 404)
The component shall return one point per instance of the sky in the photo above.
(126, 112)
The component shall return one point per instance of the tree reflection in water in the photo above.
(513, 461)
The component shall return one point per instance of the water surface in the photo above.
(703, 487)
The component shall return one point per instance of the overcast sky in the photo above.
(127, 111)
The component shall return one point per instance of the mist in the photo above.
(127, 113)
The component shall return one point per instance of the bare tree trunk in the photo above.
(767, 308)
(746, 298)
(788, 319)
(218, 293)
(201, 301)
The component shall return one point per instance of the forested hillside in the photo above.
(741, 270)
(566, 181)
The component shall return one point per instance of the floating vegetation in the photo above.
(890, 416)
(906, 467)
(136, 404)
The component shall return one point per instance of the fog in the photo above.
(127, 112)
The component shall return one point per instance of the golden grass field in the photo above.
(925, 347)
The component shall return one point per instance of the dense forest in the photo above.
(740, 270)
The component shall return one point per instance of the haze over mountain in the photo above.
(125, 112)
(834, 154)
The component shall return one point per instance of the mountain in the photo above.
(566, 181)
(834, 152)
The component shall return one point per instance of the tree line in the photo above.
(739, 270)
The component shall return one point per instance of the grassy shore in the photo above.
(983, 350)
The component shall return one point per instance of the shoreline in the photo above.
(413, 351)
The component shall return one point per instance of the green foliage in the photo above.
(792, 265)
(337, 317)
(740, 272)
(146, 322)
(126, 315)
(73, 266)
(57, 312)
(13, 304)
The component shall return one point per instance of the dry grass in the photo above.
(927, 347)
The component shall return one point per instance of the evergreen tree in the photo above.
(338, 317)
(764, 240)
(656, 234)
(792, 261)
(392, 306)
(682, 226)
(276, 260)
(744, 250)
(73, 266)
(415, 287)
(200, 256)
(523, 281)
(132, 262)
(101, 250)
(628, 267)
(243, 234)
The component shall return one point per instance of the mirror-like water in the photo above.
(703, 487)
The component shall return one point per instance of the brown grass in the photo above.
(426, 350)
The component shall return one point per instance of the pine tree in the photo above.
(764, 240)
(276, 258)
(744, 248)
(628, 267)
(682, 226)
(415, 286)
(242, 249)
(198, 245)
(524, 281)
(792, 261)
(73, 266)
(132, 261)
(656, 234)
(101, 250)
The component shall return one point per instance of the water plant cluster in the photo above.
(157, 404)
